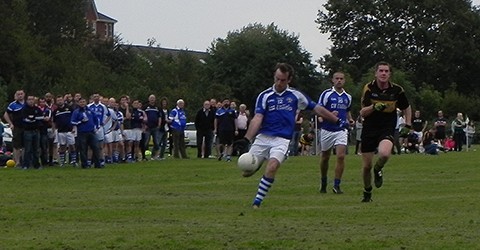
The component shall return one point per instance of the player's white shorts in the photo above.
(50, 133)
(113, 136)
(100, 134)
(266, 147)
(66, 138)
(330, 139)
(128, 135)
(137, 134)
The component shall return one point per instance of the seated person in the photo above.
(412, 143)
(306, 142)
(429, 144)
(449, 144)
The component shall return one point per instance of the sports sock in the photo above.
(324, 181)
(336, 182)
(380, 163)
(61, 157)
(368, 190)
(73, 157)
(263, 187)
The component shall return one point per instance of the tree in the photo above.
(245, 59)
(435, 42)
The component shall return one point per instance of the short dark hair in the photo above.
(383, 63)
(285, 68)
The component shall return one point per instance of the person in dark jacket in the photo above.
(86, 126)
(204, 125)
(32, 118)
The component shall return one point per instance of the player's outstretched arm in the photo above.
(324, 113)
(254, 126)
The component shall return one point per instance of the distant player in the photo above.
(274, 121)
(64, 131)
(338, 101)
(380, 100)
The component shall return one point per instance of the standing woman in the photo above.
(358, 135)
(458, 132)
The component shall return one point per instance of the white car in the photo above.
(191, 135)
(7, 136)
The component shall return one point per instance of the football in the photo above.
(248, 162)
(10, 163)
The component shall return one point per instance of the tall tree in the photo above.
(438, 42)
(245, 59)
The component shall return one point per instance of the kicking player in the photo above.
(64, 131)
(338, 101)
(274, 121)
(380, 100)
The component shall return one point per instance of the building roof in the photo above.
(165, 51)
(104, 18)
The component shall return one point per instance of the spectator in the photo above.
(109, 128)
(470, 131)
(306, 141)
(204, 120)
(85, 123)
(179, 122)
(458, 133)
(226, 129)
(400, 125)
(139, 118)
(46, 157)
(241, 123)
(358, 135)
(440, 127)
(51, 136)
(419, 124)
(13, 116)
(164, 127)
(152, 128)
(126, 111)
(413, 142)
(103, 115)
(449, 144)
(65, 132)
(429, 144)
(32, 117)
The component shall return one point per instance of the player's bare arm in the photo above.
(255, 124)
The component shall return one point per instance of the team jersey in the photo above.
(440, 124)
(14, 109)
(137, 118)
(85, 120)
(417, 124)
(110, 122)
(279, 109)
(101, 112)
(178, 118)
(62, 118)
(335, 101)
(44, 125)
(394, 97)
(127, 122)
(226, 119)
(119, 123)
(153, 114)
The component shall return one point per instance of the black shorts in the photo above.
(371, 139)
(17, 140)
(226, 137)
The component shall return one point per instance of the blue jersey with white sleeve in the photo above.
(279, 110)
(335, 101)
(100, 111)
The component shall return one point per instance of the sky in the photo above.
(195, 24)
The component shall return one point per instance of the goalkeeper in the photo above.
(380, 99)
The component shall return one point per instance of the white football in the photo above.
(248, 162)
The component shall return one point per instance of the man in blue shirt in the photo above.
(102, 114)
(13, 116)
(338, 101)
(178, 120)
(86, 125)
(273, 125)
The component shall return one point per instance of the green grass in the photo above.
(426, 202)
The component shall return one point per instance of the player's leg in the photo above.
(72, 149)
(327, 142)
(277, 149)
(384, 151)
(341, 142)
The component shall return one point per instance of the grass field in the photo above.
(426, 202)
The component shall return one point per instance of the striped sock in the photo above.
(61, 157)
(336, 182)
(263, 186)
(73, 157)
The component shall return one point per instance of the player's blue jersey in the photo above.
(279, 110)
(334, 101)
(101, 112)
(119, 120)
